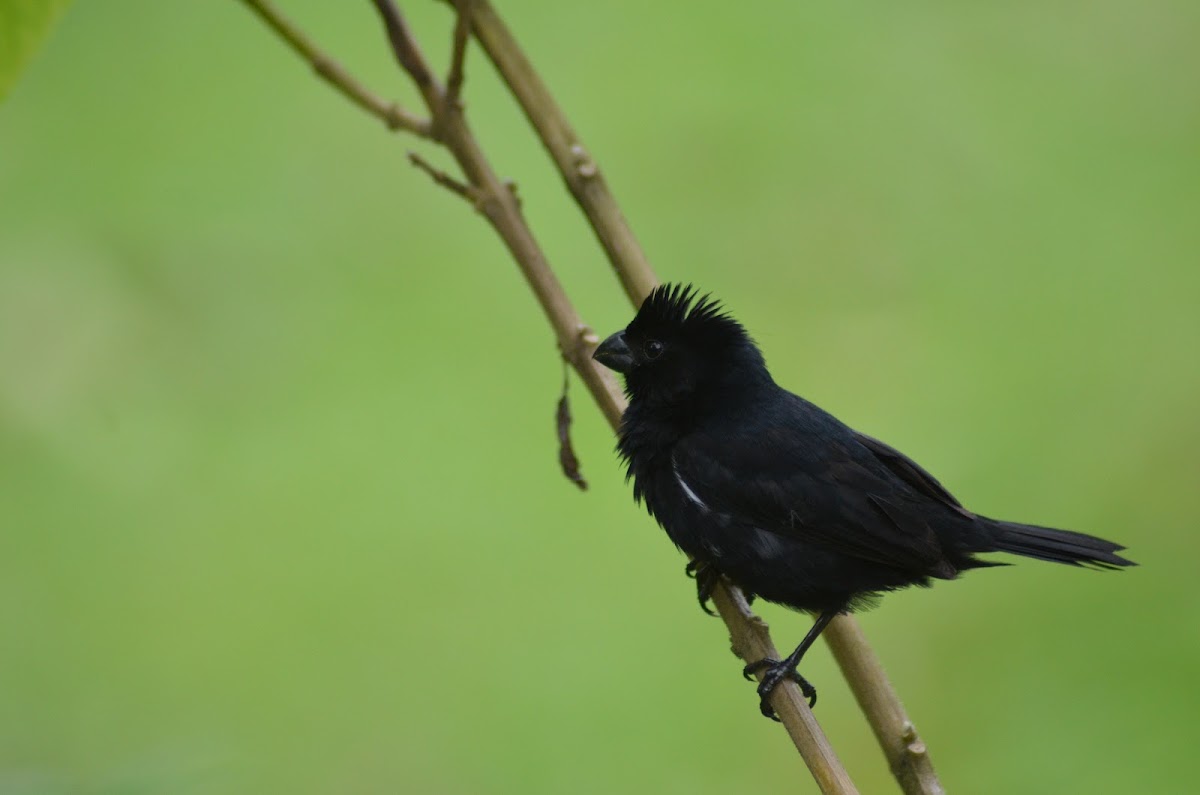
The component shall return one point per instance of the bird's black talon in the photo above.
(775, 672)
(807, 690)
(706, 577)
(704, 590)
(752, 668)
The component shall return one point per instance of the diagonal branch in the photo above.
(498, 204)
(579, 171)
(394, 116)
(448, 182)
(462, 33)
(895, 732)
(405, 48)
(906, 752)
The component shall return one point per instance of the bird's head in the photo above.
(682, 346)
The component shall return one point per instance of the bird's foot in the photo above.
(774, 672)
(706, 577)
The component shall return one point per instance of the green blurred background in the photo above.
(280, 501)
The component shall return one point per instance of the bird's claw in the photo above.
(706, 577)
(774, 672)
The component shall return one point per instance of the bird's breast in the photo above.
(681, 510)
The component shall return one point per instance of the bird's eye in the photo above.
(653, 349)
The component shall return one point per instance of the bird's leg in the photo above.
(706, 577)
(775, 671)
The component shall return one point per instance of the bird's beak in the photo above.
(614, 354)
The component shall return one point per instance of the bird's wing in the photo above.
(839, 498)
(911, 472)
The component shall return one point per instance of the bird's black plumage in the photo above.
(765, 488)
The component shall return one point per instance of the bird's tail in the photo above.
(1059, 546)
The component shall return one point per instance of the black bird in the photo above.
(760, 486)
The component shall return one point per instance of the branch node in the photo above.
(578, 349)
(913, 744)
(584, 165)
(397, 118)
(512, 191)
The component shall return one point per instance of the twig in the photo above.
(859, 664)
(498, 204)
(404, 47)
(462, 33)
(445, 180)
(394, 116)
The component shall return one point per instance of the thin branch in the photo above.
(498, 203)
(750, 638)
(906, 752)
(860, 666)
(462, 33)
(394, 116)
(577, 167)
(405, 48)
(448, 182)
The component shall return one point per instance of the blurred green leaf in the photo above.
(23, 27)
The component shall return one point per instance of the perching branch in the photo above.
(905, 750)
(897, 736)
(496, 201)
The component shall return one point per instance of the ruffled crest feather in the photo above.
(682, 307)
